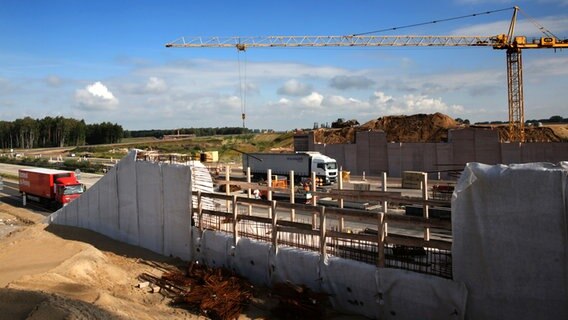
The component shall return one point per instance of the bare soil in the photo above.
(55, 272)
(59, 272)
(431, 128)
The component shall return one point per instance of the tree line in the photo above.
(553, 119)
(199, 132)
(48, 132)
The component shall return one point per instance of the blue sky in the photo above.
(107, 61)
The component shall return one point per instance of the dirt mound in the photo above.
(414, 128)
(335, 136)
(532, 134)
(45, 276)
(429, 128)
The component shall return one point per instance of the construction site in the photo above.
(402, 217)
(431, 143)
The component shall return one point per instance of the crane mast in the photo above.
(512, 44)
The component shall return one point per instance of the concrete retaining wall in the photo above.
(354, 287)
(372, 154)
(509, 244)
(140, 203)
(148, 205)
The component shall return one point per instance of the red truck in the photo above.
(54, 187)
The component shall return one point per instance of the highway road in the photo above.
(11, 195)
(11, 171)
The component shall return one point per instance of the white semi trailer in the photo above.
(302, 163)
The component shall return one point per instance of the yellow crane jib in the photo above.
(512, 44)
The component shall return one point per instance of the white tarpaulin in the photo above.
(510, 240)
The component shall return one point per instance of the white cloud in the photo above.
(96, 96)
(556, 24)
(314, 99)
(476, 83)
(381, 98)
(547, 67)
(411, 104)
(340, 101)
(295, 88)
(231, 102)
(281, 102)
(155, 85)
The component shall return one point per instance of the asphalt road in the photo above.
(11, 170)
(10, 193)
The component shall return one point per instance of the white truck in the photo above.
(302, 163)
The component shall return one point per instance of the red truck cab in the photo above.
(56, 187)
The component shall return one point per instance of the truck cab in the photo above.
(325, 167)
(67, 189)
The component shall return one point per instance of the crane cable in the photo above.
(540, 27)
(243, 85)
(433, 22)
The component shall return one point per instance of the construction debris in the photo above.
(220, 294)
(216, 293)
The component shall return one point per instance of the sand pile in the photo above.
(46, 274)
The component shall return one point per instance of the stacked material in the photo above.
(220, 294)
(216, 293)
(201, 181)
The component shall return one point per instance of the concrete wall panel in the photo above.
(378, 156)
(430, 159)
(486, 146)
(351, 159)
(177, 211)
(412, 156)
(510, 153)
(337, 152)
(374, 155)
(155, 216)
(394, 159)
(463, 142)
(127, 206)
(362, 154)
(108, 203)
(93, 211)
(252, 260)
(149, 219)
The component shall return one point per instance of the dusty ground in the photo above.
(71, 273)
(58, 272)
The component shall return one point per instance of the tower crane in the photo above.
(513, 45)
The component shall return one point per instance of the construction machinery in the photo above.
(509, 42)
